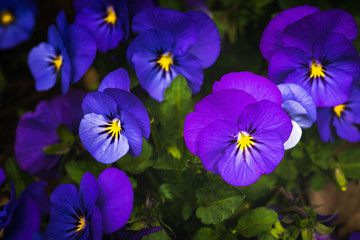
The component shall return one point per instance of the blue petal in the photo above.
(295, 136)
(37, 191)
(88, 191)
(129, 102)
(324, 124)
(99, 103)
(99, 145)
(2, 175)
(346, 129)
(40, 63)
(62, 25)
(65, 71)
(55, 38)
(132, 132)
(116, 79)
(207, 46)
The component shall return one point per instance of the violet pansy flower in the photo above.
(100, 206)
(172, 43)
(304, 53)
(17, 20)
(21, 217)
(70, 50)
(114, 121)
(239, 134)
(108, 20)
(342, 119)
(301, 108)
(39, 129)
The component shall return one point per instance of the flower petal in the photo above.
(324, 124)
(295, 136)
(116, 79)
(99, 103)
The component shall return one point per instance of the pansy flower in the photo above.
(305, 54)
(21, 217)
(301, 108)
(37, 130)
(17, 20)
(69, 52)
(172, 43)
(239, 130)
(342, 119)
(114, 121)
(99, 207)
(108, 20)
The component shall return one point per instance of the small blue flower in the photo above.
(114, 120)
(99, 207)
(172, 43)
(70, 51)
(17, 20)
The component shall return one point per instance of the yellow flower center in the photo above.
(165, 61)
(244, 140)
(57, 62)
(114, 128)
(6, 17)
(111, 15)
(81, 225)
(339, 109)
(316, 70)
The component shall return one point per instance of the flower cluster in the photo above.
(172, 43)
(240, 129)
(299, 44)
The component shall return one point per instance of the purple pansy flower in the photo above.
(2, 175)
(342, 119)
(239, 134)
(17, 20)
(301, 108)
(114, 121)
(22, 217)
(304, 53)
(39, 129)
(355, 236)
(71, 49)
(108, 20)
(99, 207)
(172, 43)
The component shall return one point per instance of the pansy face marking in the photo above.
(113, 128)
(316, 71)
(57, 62)
(244, 140)
(81, 224)
(111, 15)
(165, 61)
(6, 18)
(339, 110)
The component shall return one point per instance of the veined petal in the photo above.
(100, 144)
(115, 199)
(132, 132)
(88, 191)
(116, 79)
(324, 124)
(257, 86)
(346, 129)
(99, 103)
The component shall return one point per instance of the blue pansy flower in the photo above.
(39, 129)
(342, 119)
(301, 108)
(100, 206)
(239, 130)
(70, 50)
(21, 217)
(172, 43)
(114, 120)
(108, 20)
(17, 20)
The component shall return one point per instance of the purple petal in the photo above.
(305, 32)
(132, 132)
(271, 40)
(99, 103)
(115, 199)
(54, 38)
(346, 129)
(2, 175)
(100, 145)
(295, 136)
(65, 71)
(324, 124)
(37, 191)
(88, 190)
(355, 236)
(257, 86)
(207, 46)
(129, 102)
(116, 79)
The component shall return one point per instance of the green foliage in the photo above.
(349, 163)
(20, 178)
(256, 221)
(159, 235)
(76, 169)
(57, 149)
(65, 135)
(318, 181)
(217, 201)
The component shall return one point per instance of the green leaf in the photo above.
(318, 181)
(76, 169)
(20, 178)
(65, 135)
(286, 170)
(176, 106)
(186, 210)
(138, 164)
(168, 162)
(349, 163)
(320, 153)
(306, 234)
(266, 236)
(261, 187)
(57, 149)
(205, 233)
(169, 191)
(256, 221)
(159, 235)
(217, 202)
